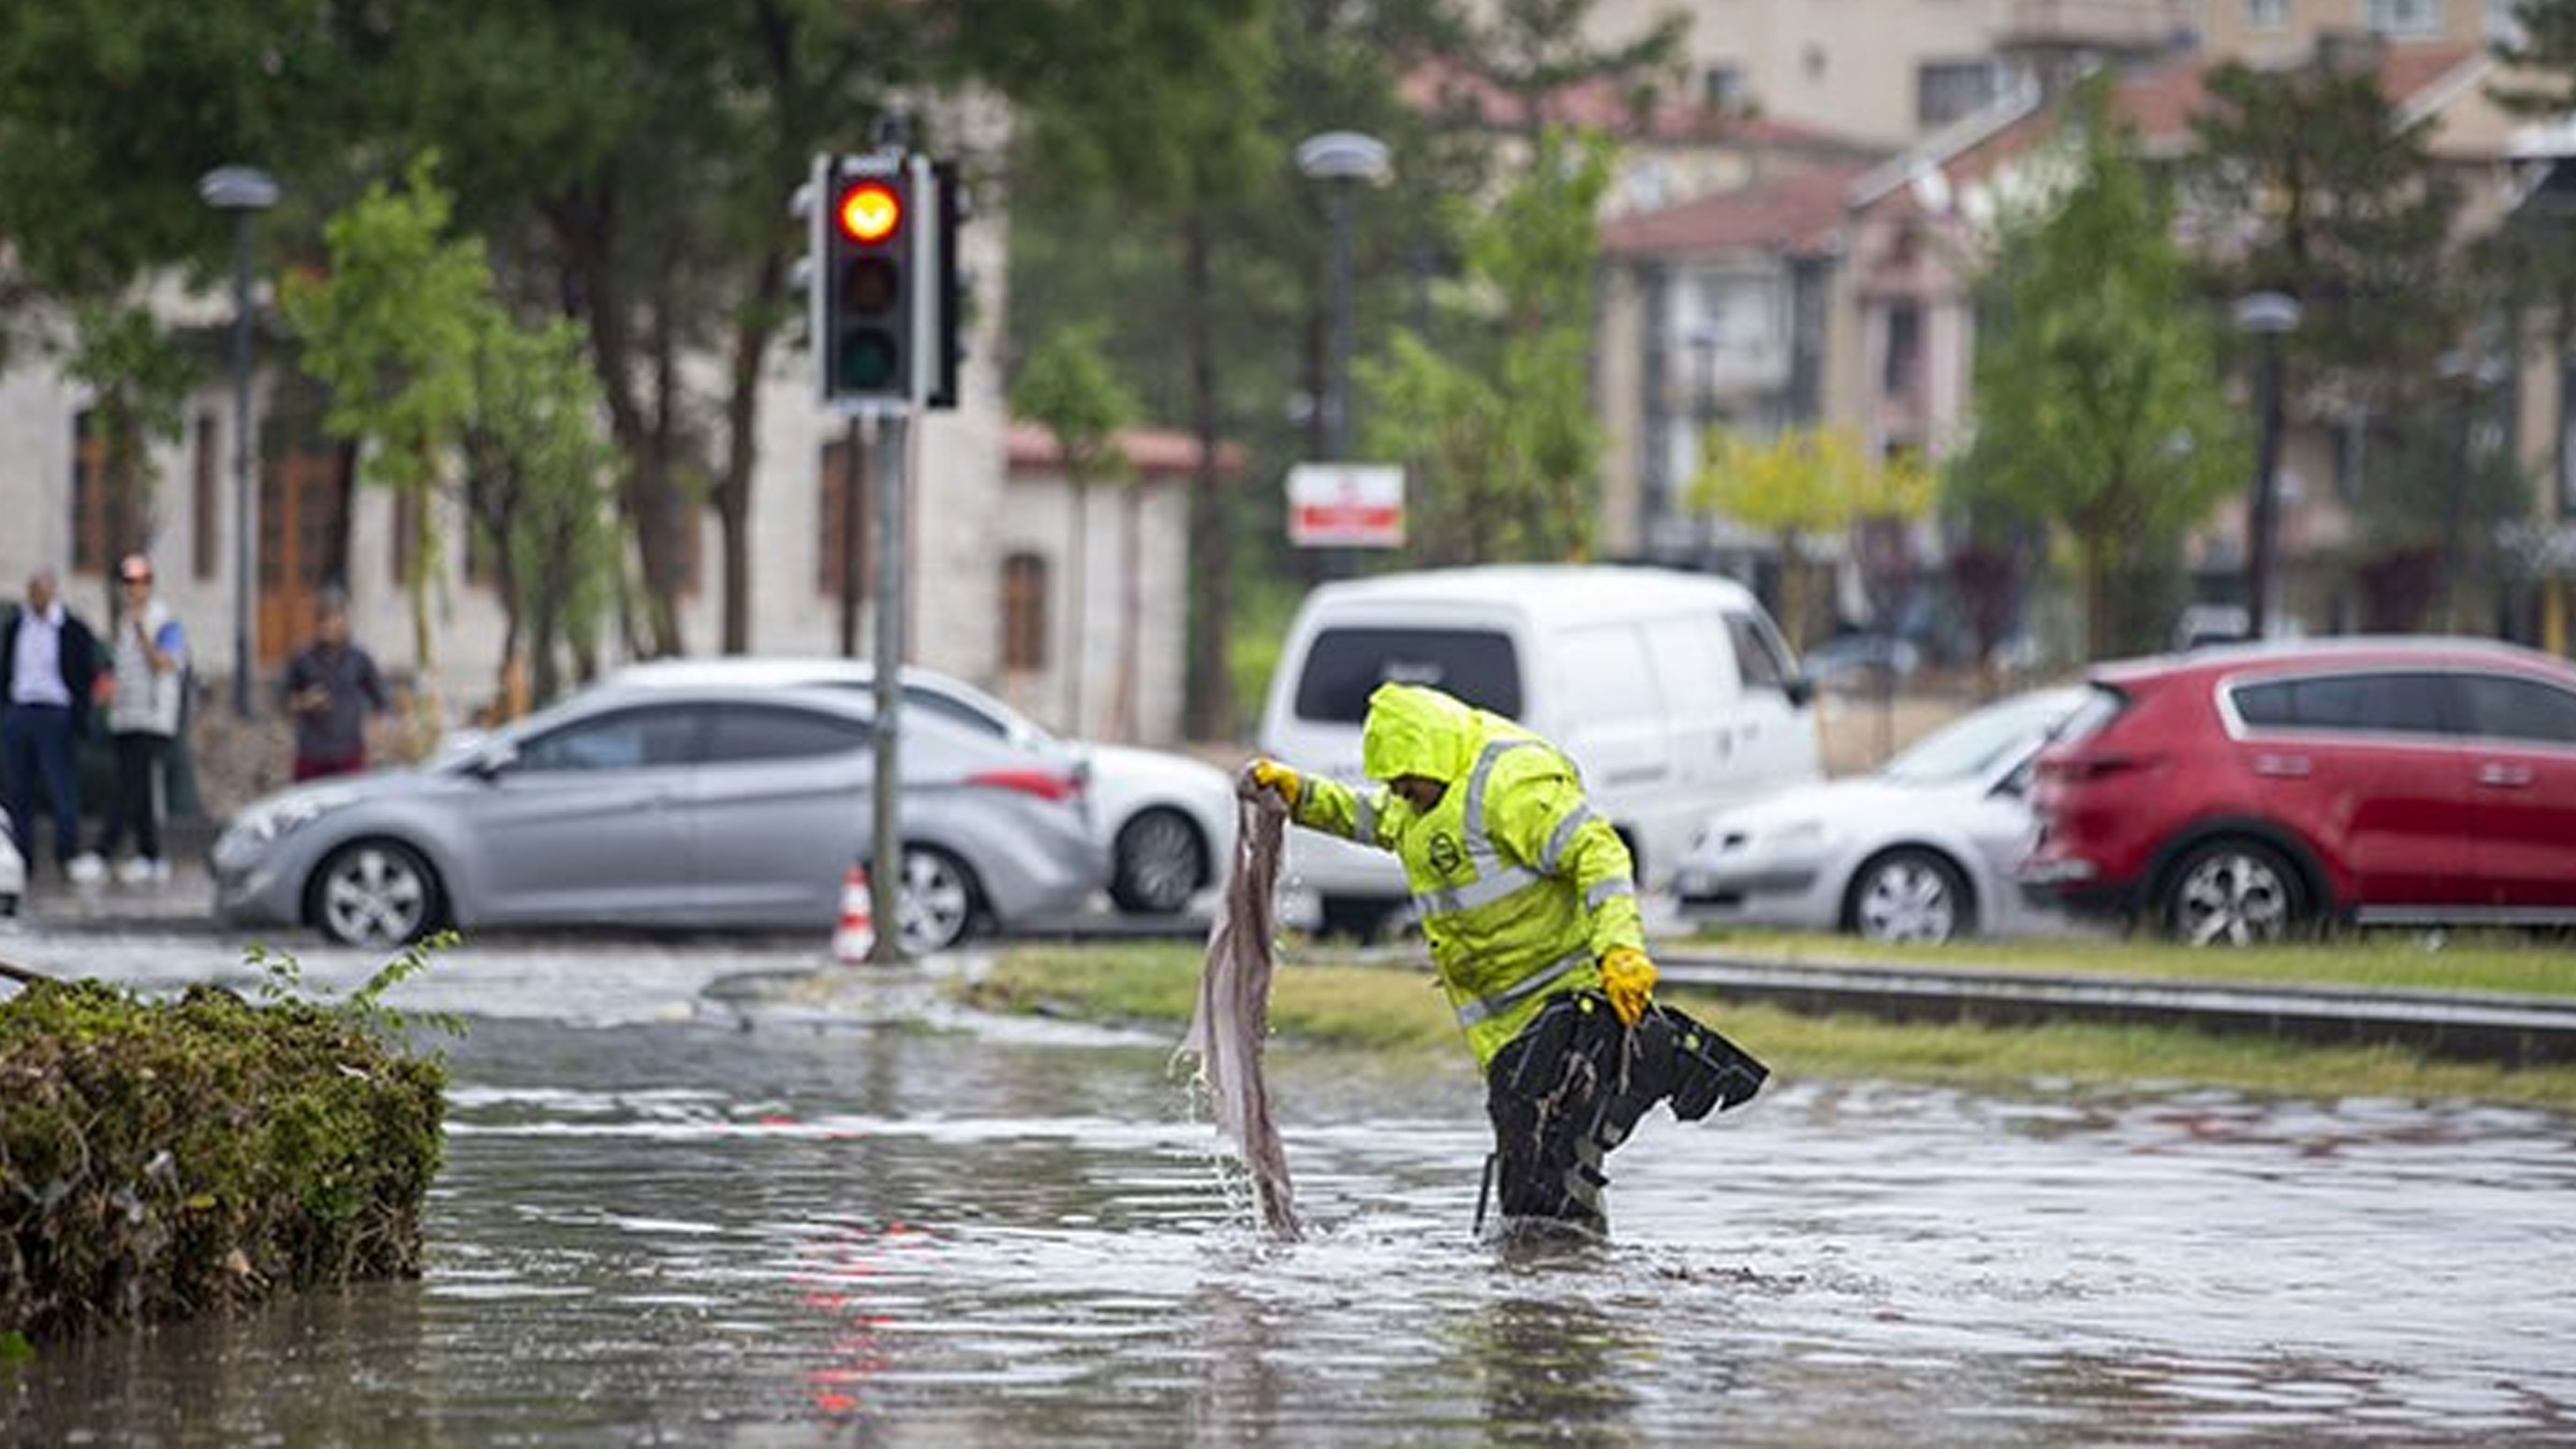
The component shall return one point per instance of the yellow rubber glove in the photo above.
(1268, 782)
(1628, 979)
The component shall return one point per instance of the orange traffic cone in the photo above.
(857, 934)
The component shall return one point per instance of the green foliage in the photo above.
(139, 382)
(1068, 388)
(165, 1159)
(1801, 483)
(2310, 182)
(2098, 409)
(2543, 63)
(1497, 433)
(537, 486)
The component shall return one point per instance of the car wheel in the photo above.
(374, 893)
(1909, 895)
(939, 900)
(1161, 863)
(2233, 893)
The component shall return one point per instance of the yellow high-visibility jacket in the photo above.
(1520, 889)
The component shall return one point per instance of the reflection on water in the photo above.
(684, 1233)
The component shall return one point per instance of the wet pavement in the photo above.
(730, 1195)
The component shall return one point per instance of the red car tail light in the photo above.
(1045, 784)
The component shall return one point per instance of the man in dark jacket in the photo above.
(48, 662)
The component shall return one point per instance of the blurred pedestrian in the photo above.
(331, 688)
(48, 665)
(143, 719)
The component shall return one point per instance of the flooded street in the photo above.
(755, 1217)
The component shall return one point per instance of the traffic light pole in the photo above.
(885, 883)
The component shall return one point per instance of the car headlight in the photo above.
(278, 818)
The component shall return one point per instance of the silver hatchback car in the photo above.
(673, 808)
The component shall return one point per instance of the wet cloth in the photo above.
(1233, 1014)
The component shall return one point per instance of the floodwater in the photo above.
(694, 1216)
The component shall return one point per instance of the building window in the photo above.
(1721, 87)
(1904, 365)
(1945, 90)
(838, 530)
(2405, 17)
(105, 520)
(1024, 613)
(205, 545)
(2267, 14)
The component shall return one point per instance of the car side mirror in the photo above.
(491, 758)
(1801, 690)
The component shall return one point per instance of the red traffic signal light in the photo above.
(868, 212)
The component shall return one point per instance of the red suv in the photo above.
(2242, 793)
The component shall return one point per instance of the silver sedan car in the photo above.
(1167, 820)
(700, 808)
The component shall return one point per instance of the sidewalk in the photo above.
(186, 898)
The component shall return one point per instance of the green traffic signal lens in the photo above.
(865, 361)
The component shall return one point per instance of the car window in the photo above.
(2380, 702)
(748, 733)
(1977, 743)
(2101, 704)
(630, 739)
(1760, 658)
(2507, 707)
(932, 702)
(1344, 666)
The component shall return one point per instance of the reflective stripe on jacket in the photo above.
(1518, 886)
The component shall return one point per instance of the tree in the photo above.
(429, 373)
(2097, 406)
(1800, 485)
(2310, 183)
(1067, 388)
(1498, 434)
(537, 492)
(138, 382)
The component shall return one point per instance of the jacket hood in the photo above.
(1413, 730)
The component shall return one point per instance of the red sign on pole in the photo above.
(1346, 505)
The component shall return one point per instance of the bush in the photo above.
(163, 1160)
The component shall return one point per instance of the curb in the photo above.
(2513, 1030)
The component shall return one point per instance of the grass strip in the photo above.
(2387, 959)
(1395, 1011)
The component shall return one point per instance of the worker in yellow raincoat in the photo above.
(1528, 901)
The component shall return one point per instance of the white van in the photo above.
(1672, 692)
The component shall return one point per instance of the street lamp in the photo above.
(1340, 158)
(2267, 315)
(245, 191)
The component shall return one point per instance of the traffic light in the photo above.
(868, 273)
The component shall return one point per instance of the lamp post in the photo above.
(1339, 159)
(245, 191)
(2267, 315)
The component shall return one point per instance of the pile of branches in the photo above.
(161, 1160)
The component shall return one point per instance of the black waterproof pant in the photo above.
(1543, 1096)
(1571, 1087)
